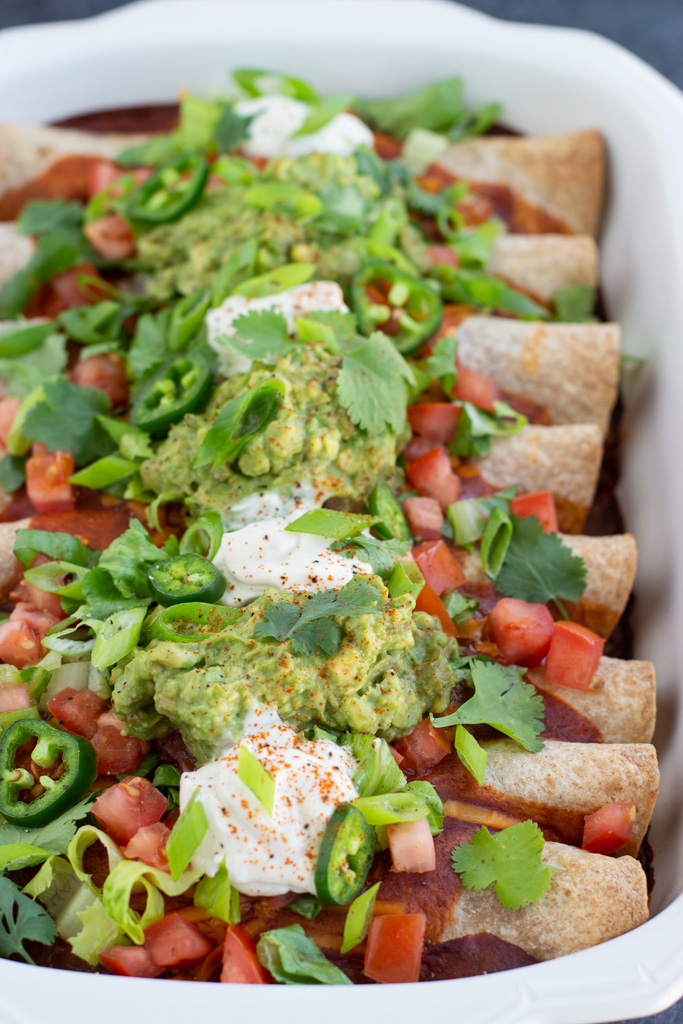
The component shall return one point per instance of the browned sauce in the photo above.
(157, 117)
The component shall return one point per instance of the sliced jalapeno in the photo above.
(346, 853)
(386, 298)
(203, 536)
(185, 578)
(384, 503)
(186, 319)
(181, 386)
(53, 749)
(185, 623)
(170, 191)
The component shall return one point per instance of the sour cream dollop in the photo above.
(267, 855)
(272, 133)
(322, 296)
(265, 554)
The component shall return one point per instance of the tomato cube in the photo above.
(432, 475)
(240, 962)
(124, 808)
(521, 631)
(540, 504)
(411, 844)
(472, 386)
(609, 828)
(424, 747)
(428, 601)
(130, 961)
(176, 942)
(573, 656)
(77, 710)
(439, 566)
(393, 951)
(424, 516)
(437, 421)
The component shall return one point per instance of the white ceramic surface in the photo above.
(550, 81)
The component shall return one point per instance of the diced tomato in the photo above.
(77, 288)
(8, 410)
(77, 710)
(112, 237)
(442, 254)
(521, 631)
(38, 621)
(540, 504)
(131, 961)
(19, 645)
(124, 808)
(432, 475)
(424, 516)
(411, 845)
(149, 845)
(608, 829)
(393, 952)
(574, 655)
(116, 753)
(176, 942)
(47, 481)
(106, 373)
(240, 962)
(101, 175)
(472, 386)
(14, 697)
(428, 601)
(424, 747)
(43, 600)
(439, 566)
(437, 421)
(418, 446)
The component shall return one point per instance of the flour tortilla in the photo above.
(563, 459)
(544, 264)
(15, 251)
(621, 702)
(611, 564)
(592, 900)
(562, 174)
(28, 150)
(572, 370)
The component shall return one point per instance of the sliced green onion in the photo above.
(239, 422)
(495, 542)
(391, 808)
(269, 83)
(422, 148)
(357, 923)
(7, 717)
(59, 640)
(327, 522)
(256, 778)
(117, 636)
(277, 280)
(308, 906)
(61, 578)
(203, 536)
(104, 472)
(459, 607)
(238, 266)
(471, 753)
(406, 578)
(186, 836)
(324, 112)
(186, 319)
(283, 194)
(467, 520)
(217, 896)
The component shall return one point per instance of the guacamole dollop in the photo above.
(390, 669)
(311, 444)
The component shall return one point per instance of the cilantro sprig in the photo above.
(381, 554)
(310, 626)
(22, 920)
(502, 700)
(510, 860)
(539, 568)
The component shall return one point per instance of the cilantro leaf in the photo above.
(127, 558)
(310, 626)
(25, 372)
(381, 554)
(575, 304)
(42, 217)
(261, 335)
(441, 363)
(539, 568)
(55, 836)
(511, 860)
(149, 347)
(12, 472)
(22, 920)
(502, 700)
(231, 129)
(435, 107)
(477, 428)
(344, 210)
(66, 417)
(54, 253)
(371, 385)
(344, 325)
(293, 958)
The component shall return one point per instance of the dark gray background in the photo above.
(653, 29)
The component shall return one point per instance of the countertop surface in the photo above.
(653, 31)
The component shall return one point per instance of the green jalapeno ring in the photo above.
(203, 536)
(393, 525)
(185, 578)
(80, 771)
(192, 621)
(170, 191)
(346, 854)
(181, 386)
(411, 310)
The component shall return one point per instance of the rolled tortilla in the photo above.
(563, 459)
(15, 251)
(559, 785)
(544, 264)
(561, 174)
(572, 370)
(611, 564)
(10, 567)
(621, 702)
(28, 150)
(591, 900)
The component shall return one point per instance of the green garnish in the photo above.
(382, 555)
(539, 568)
(218, 897)
(256, 778)
(471, 753)
(477, 428)
(294, 959)
(495, 542)
(324, 112)
(261, 335)
(22, 920)
(117, 636)
(327, 522)
(511, 860)
(406, 578)
(575, 304)
(186, 836)
(65, 416)
(239, 422)
(358, 918)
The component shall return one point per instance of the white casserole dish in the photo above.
(550, 81)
